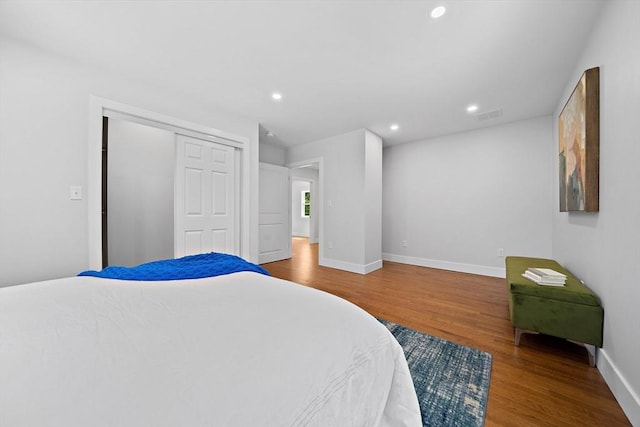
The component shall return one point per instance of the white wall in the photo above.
(44, 120)
(373, 201)
(344, 214)
(299, 224)
(140, 193)
(456, 199)
(603, 248)
(272, 154)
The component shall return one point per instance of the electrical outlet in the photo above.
(75, 192)
(404, 244)
(330, 244)
(501, 252)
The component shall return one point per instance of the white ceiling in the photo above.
(340, 65)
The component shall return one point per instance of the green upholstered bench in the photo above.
(572, 311)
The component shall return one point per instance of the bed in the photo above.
(239, 349)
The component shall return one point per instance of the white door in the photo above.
(205, 197)
(275, 210)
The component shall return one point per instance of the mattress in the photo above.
(242, 349)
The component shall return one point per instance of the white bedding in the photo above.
(237, 350)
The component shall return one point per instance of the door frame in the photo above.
(101, 107)
(319, 204)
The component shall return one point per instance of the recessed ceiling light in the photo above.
(437, 12)
(394, 126)
(270, 134)
(472, 108)
(276, 96)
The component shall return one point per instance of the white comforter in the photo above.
(237, 350)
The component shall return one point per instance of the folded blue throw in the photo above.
(188, 267)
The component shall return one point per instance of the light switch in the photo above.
(75, 192)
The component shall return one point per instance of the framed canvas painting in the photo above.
(579, 146)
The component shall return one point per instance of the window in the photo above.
(305, 198)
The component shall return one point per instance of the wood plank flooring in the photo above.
(544, 382)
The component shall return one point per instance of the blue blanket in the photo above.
(188, 267)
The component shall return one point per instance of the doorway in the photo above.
(301, 208)
(167, 195)
(101, 111)
(276, 210)
(306, 208)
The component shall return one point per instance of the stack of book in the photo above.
(545, 276)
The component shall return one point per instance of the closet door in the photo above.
(205, 196)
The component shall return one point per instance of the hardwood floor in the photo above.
(544, 382)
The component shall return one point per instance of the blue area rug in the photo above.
(451, 380)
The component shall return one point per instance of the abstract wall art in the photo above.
(579, 146)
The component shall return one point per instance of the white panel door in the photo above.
(205, 197)
(275, 211)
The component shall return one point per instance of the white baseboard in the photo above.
(628, 399)
(373, 266)
(351, 267)
(447, 265)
